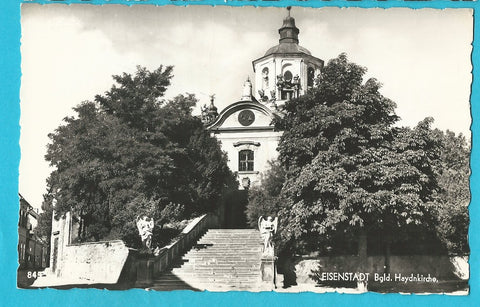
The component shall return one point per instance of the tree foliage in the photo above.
(130, 152)
(44, 226)
(347, 167)
(265, 200)
(451, 204)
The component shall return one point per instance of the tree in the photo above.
(44, 226)
(129, 152)
(347, 168)
(451, 204)
(265, 200)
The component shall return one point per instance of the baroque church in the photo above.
(245, 127)
(246, 132)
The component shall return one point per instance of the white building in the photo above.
(245, 127)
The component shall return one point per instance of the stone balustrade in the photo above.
(148, 269)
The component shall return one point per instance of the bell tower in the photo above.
(287, 70)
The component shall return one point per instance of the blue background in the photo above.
(10, 156)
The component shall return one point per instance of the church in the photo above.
(244, 127)
(246, 132)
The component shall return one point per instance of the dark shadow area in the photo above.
(170, 282)
(235, 206)
(25, 277)
(201, 246)
(286, 267)
(338, 284)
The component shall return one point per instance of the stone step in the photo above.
(180, 276)
(232, 240)
(246, 250)
(227, 279)
(227, 259)
(223, 264)
(223, 230)
(203, 284)
(224, 253)
(221, 278)
(213, 252)
(225, 272)
(216, 271)
(232, 236)
(196, 254)
(227, 248)
(180, 271)
(211, 241)
(223, 260)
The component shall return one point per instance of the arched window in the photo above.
(245, 160)
(265, 78)
(310, 76)
(287, 76)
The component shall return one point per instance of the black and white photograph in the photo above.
(285, 149)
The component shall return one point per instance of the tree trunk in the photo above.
(362, 258)
(387, 255)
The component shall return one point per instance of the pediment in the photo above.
(244, 115)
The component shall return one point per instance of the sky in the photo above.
(70, 52)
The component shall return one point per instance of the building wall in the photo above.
(262, 143)
(277, 65)
(91, 262)
(32, 251)
(59, 240)
(251, 131)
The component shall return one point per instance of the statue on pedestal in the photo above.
(145, 230)
(267, 229)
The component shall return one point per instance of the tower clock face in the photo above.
(246, 117)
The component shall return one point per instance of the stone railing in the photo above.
(187, 239)
(148, 269)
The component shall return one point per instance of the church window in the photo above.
(245, 160)
(286, 94)
(310, 76)
(287, 76)
(265, 78)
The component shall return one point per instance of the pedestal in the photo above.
(145, 271)
(268, 270)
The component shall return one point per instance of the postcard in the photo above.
(284, 149)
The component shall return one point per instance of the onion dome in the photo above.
(288, 42)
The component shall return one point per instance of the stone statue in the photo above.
(267, 229)
(273, 95)
(265, 78)
(318, 79)
(145, 230)
(262, 95)
(296, 79)
(280, 81)
(247, 90)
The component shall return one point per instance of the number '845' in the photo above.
(31, 274)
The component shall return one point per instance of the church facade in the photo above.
(244, 127)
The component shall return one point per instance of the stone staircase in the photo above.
(222, 260)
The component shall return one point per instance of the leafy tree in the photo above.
(265, 199)
(129, 152)
(44, 226)
(452, 201)
(347, 168)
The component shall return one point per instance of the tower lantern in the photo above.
(287, 70)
